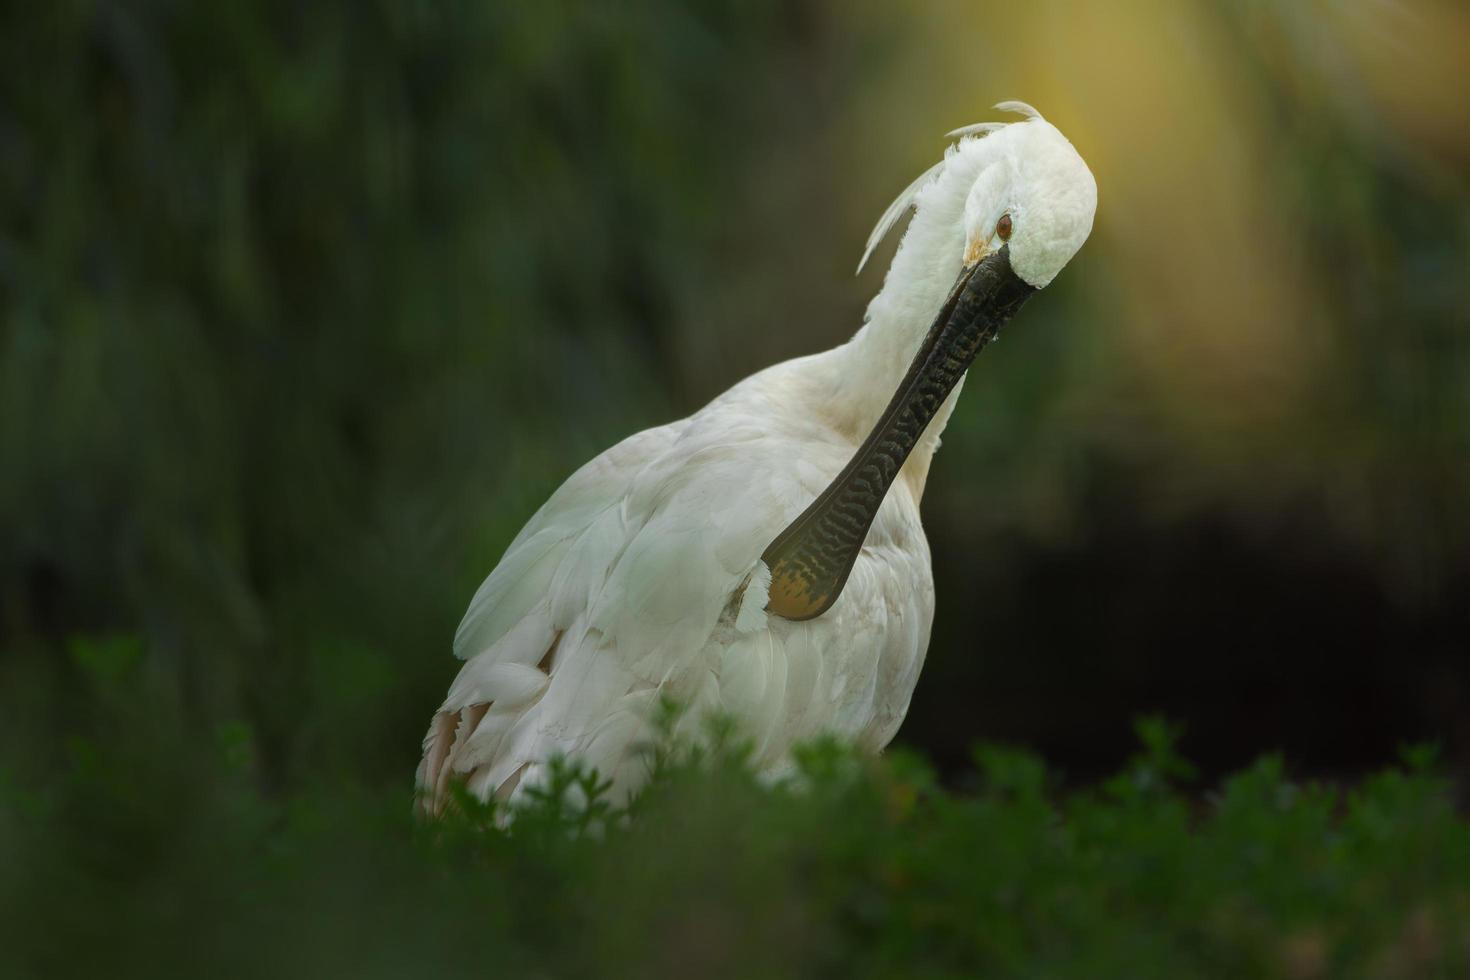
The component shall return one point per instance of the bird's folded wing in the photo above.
(581, 522)
(608, 598)
(646, 545)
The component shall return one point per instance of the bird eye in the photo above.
(1003, 227)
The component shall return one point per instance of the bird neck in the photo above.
(874, 361)
(810, 560)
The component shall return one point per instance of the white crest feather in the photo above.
(976, 129)
(895, 211)
(1019, 108)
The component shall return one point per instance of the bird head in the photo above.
(1031, 192)
(1019, 186)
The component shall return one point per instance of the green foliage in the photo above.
(851, 867)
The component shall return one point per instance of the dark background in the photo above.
(306, 307)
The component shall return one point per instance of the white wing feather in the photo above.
(586, 501)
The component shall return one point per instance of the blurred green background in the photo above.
(306, 307)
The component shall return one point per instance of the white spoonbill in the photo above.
(764, 557)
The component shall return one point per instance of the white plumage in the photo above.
(641, 577)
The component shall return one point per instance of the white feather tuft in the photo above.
(1019, 108)
(752, 614)
(976, 129)
(896, 209)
